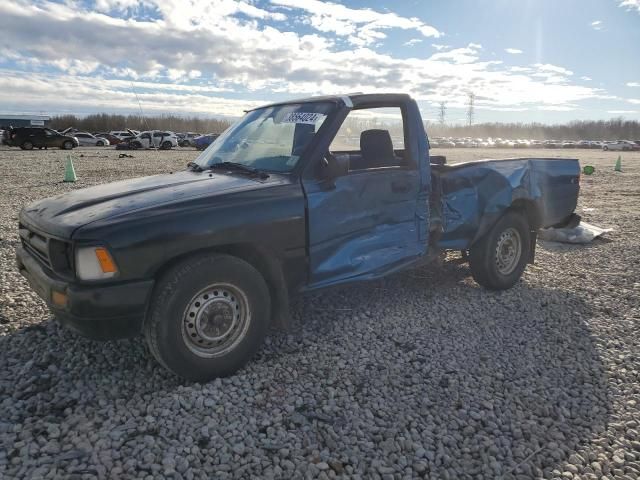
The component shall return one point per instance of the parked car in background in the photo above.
(28, 138)
(122, 134)
(88, 140)
(186, 139)
(203, 141)
(113, 140)
(619, 145)
(155, 139)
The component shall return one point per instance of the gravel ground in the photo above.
(422, 374)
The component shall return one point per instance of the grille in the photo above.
(37, 245)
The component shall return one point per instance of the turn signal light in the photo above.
(106, 262)
(59, 299)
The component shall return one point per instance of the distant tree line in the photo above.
(102, 122)
(614, 129)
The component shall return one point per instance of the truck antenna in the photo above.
(144, 118)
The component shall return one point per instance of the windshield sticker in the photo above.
(302, 117)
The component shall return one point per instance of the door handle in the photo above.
(400, 187)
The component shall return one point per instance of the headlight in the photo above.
(94, 263)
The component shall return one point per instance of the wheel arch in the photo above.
(267, 264)
(530, 210)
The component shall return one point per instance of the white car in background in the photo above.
(622, 145)
(85, 139)
(122, 134)
(155, 139)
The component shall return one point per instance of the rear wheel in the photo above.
(166, 145)
(99, 143)
(498, 259)
(67, 145)
(27, 145)
(208, 317)
(605, 148)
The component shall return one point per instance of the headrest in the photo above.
(377, 148)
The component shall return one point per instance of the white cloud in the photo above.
(439, 47)
(84, 94)
(546, 67)
(635, 101)
(597, 25)
(556, 108)
(514, 51)
(631, 5)
(633, 84)
(468, 54)
(196, 50)
(361, 26)
(412, 42)
(623, 112)
(586, 79)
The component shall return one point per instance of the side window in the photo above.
(372, 137)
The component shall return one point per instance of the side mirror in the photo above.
(437, 159)
(334, 166)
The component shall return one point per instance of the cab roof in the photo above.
(351, 100)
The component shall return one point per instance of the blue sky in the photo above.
(525, 60)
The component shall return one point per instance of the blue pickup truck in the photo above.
(296, 196)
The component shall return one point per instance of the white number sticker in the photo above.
(302, 117)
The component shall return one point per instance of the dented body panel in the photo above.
(475, 194)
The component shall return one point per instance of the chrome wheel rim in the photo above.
(216, 320)
(508, 251)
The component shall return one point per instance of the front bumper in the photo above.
(103, 312)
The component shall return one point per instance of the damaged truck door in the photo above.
(295, 196)
(371, 217)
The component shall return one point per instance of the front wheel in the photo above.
(166, 146)
(27, 145)
(100, 144)
(605, 148)
(208, 317)
(67, 145)
(498, 259)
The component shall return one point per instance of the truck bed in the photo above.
(469, 197)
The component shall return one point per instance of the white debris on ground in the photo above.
(582, 233)
(423, 374)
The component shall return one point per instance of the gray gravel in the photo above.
(422, 374)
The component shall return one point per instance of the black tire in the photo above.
(175, 316)
(67, 145)
(136, 145)
(27, 145)
(488, 267)
(166, 145)
(99, 143)
(605, 148)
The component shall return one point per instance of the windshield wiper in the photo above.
(194, 167)
(239, 167)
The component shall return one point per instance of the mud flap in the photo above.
(533, 237)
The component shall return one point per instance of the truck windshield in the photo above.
(270, 138)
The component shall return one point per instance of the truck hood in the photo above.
(63, 214)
